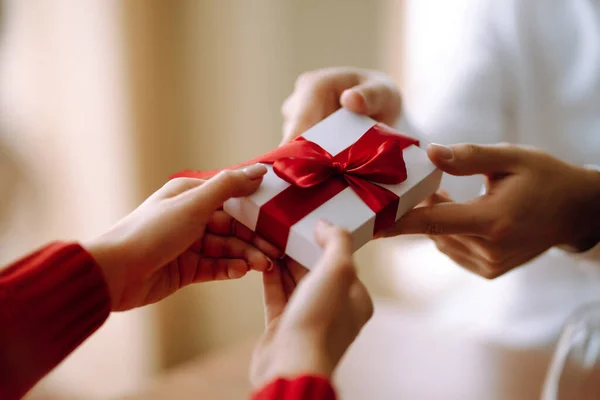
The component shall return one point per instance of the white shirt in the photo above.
(526, 72)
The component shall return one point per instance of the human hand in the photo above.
(319, 93)
(311, 324)
(178, 236)
(533, 202)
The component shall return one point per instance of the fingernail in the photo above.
(358, 93)
(270, 267)
(255, 171)
(444, 152)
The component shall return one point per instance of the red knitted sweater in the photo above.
(54, 299)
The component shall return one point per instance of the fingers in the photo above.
(177, 186)
(493, 253)
(441, 196)
(450, 244)
(362, 302)
(205, 199)
(304, 110)
(471, 159)
(336, 265)
(297, 271)
(446, 219)
(457, 252)
(316, 95)
(319, 93)
(216, 269)
(378, 98)
(278, 285)
(274, 295)
(288, 280)
(481, 258)
(429, 219)
(215, 246)
(335, 275)
(397, 229)
(223, 224)
(331, 279)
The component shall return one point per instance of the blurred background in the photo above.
(102, 99)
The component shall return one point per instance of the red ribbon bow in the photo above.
(315, 165)
(316, 176)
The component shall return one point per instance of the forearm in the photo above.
(50, 302)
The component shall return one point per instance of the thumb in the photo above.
(335, 272)
(208, 197)
(328, 284)
(379, 99)
(472, 159)
(339, 278)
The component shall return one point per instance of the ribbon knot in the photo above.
(339, 168)
(313, 165)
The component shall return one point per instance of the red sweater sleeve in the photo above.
(304, 387)
(50, 302)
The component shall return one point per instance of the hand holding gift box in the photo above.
(348, 169)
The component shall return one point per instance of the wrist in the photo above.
(105, 256)
(294, 355)
(585, 232)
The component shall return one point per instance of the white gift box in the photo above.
(346, 209)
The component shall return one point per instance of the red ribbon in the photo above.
(316, 177)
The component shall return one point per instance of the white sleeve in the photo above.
(461, 93)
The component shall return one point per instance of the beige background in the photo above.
(102, 100)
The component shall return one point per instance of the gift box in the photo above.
(349, 170)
